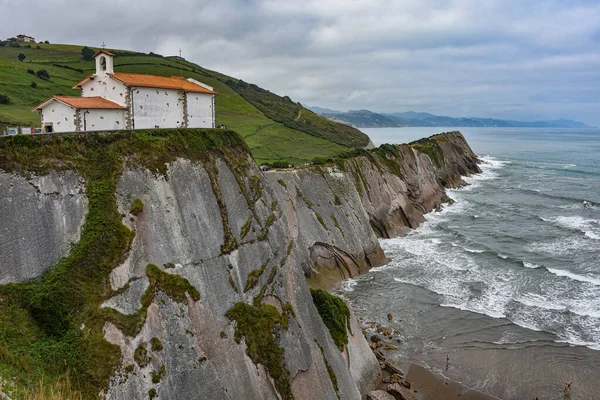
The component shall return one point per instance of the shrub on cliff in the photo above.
(335, 314)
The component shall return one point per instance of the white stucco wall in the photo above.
(152, 107)
(104, 86)
(200, 110)
(60, 115)
(99, 119)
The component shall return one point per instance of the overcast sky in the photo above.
(519, 59)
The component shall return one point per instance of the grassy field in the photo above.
(271, 133)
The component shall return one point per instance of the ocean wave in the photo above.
(531, 265)
(589, 227)
(574, 202)
(573, 341)
(474, 251)
(489, 167)
(563, 168)
(574, 276)
(477, 310)
(561, 247)
(538, 301)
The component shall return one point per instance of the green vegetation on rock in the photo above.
(51, 327)
(258, 325)
(174, 286)
(140, 355)
(335, 314)
(430, 147)
(155, 344)
(136, 207)
(158, 375)
(255, 275)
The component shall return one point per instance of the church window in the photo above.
(103, 63)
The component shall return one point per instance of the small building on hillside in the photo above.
(25, 38)
(21, 38)
(114, 100)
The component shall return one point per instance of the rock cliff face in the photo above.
(330, 209)
(209, 297)
(39, 219)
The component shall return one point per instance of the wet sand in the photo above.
(431, 386)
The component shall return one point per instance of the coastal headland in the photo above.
(163, 263)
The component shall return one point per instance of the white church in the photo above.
(114, 100)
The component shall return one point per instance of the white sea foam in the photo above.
(349, 284)
(576, 277)
(566, 246)
(488, 167)
(592, 235)
(474, 251)
(538, 301)
(589, 227)
(531, 265)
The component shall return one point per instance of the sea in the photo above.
(501, 290)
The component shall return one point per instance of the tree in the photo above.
(46, 42)
(4, 99)
(42, 74)
(30, 71)
(33, 85)
(21, 57)
(87, 53)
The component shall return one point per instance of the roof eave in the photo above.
(78, 85)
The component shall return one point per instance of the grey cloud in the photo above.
(497, 58)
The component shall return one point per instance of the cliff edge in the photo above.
(165, 264)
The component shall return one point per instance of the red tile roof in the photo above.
(162, 82)
(108, 53)
(83, 102)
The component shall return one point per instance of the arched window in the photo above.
(103, 63)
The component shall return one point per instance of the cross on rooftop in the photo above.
(103, 45)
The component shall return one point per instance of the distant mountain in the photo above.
(323, 111)
(365, 119)
(369, 119)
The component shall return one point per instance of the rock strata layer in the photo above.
(330, 209)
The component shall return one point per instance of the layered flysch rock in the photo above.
(182, 230)
(391, 189)
(40, 218)
(216, 272)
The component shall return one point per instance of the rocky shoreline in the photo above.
(418, 382)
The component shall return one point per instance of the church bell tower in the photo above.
(104, 62)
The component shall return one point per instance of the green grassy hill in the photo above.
(275, 128)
